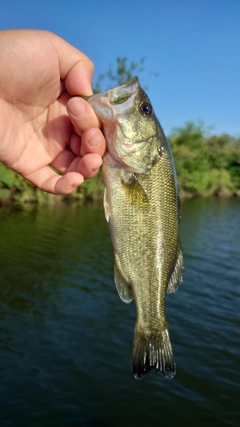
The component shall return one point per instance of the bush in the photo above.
(206, 165)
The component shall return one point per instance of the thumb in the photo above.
(75, 67)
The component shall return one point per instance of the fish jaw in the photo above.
(112, 102)
(111, 107)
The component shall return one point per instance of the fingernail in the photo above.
(86, 86)
(96, 168)
(95, 140)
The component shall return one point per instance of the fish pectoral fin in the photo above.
(134, 190)
(106, 205)
(124, 290)
(177, 274)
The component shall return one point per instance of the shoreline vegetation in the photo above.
(207, 166)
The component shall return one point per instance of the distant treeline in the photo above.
(207, 165)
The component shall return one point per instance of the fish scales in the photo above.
(143, 210)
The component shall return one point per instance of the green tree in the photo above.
(120, 75)
(206, 165)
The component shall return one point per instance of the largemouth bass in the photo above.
(142, 206)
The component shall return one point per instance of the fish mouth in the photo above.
(122, 93)
(115, 101)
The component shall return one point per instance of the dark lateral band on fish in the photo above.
(142, 206)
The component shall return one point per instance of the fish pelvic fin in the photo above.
(106, 205)
(123, 288)
(153, 352)
(177, 274)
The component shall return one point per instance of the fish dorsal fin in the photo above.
(124, 290)
(177, 274)
(106, 205)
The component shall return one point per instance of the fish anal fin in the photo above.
(123, 288)
(153, 352)
(106, 205)
(177, 274)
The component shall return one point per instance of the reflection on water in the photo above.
(66, 338)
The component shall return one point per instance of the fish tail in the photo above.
(151, 352)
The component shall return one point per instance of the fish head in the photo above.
(130, 126)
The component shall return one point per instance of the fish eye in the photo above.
(146, 109)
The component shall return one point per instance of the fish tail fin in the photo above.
(151, 352)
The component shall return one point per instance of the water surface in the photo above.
(66, 338)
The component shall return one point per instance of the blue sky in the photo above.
(191, 49)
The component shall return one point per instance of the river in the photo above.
(66, 337)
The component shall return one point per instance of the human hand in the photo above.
(40, 124)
